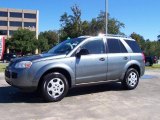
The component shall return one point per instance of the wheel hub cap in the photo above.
(132, 79)
(55, 87)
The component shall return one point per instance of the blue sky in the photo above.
(140, 16)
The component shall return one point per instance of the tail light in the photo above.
(143, 57)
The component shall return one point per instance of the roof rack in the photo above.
(124, 36)
(112, 35)
(84, 36)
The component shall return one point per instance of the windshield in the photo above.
(66, 46)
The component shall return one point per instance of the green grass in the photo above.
(2, 67)
(155, 66)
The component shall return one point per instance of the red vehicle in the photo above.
(155, 59)
(2, 46)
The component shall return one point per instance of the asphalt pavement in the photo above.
(102, 102)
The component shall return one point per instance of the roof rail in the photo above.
(112, 35)
(84, 36)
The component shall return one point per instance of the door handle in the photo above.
(102, 59)
(125, 58)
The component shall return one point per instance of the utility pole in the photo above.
(106, 6)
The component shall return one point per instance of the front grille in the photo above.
(9, 74)
(14, 75)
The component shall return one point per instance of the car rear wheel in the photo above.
(131, 79)
(54, 87)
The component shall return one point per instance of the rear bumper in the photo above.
(142, 70)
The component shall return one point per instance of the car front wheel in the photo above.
(131, 79)
(54, 87)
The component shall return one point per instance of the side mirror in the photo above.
(82, 52)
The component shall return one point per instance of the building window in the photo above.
(30, 24)
(3, 32)
(11, 32)
(3, 14)
(16, 24)
(30, 15)
(15, 14)
(3, 23)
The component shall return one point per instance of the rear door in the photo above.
(118, 56)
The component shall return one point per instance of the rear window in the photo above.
(134, 46)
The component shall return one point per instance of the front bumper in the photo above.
(19, 78)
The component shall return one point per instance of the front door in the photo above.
(92, 67)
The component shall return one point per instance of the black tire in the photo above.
(51, 87)
(151, 64)
(130, 82)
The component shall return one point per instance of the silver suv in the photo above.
(82, 61)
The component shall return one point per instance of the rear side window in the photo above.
(95, 47)
(134, 46)
(115, 46)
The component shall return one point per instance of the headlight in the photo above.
(24, 64)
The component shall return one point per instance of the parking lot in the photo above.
(108, 102)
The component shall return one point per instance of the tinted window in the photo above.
(116, 46)
(29, 15)
(11, 32)
(3, 23)
(113, 46)
(3, 32)
(29, 24)
(134, 46)
(123, 49)
(3, 14)
(17, 24)
(15, 14)
(95, 47)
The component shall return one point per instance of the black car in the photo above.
(8, 57)
(150, 60)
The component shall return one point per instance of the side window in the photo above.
(115, 46)
(134, 46)
(95, 47)
(123, 49)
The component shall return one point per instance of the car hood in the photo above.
(39, 57)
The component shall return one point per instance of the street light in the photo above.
(106, 7)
